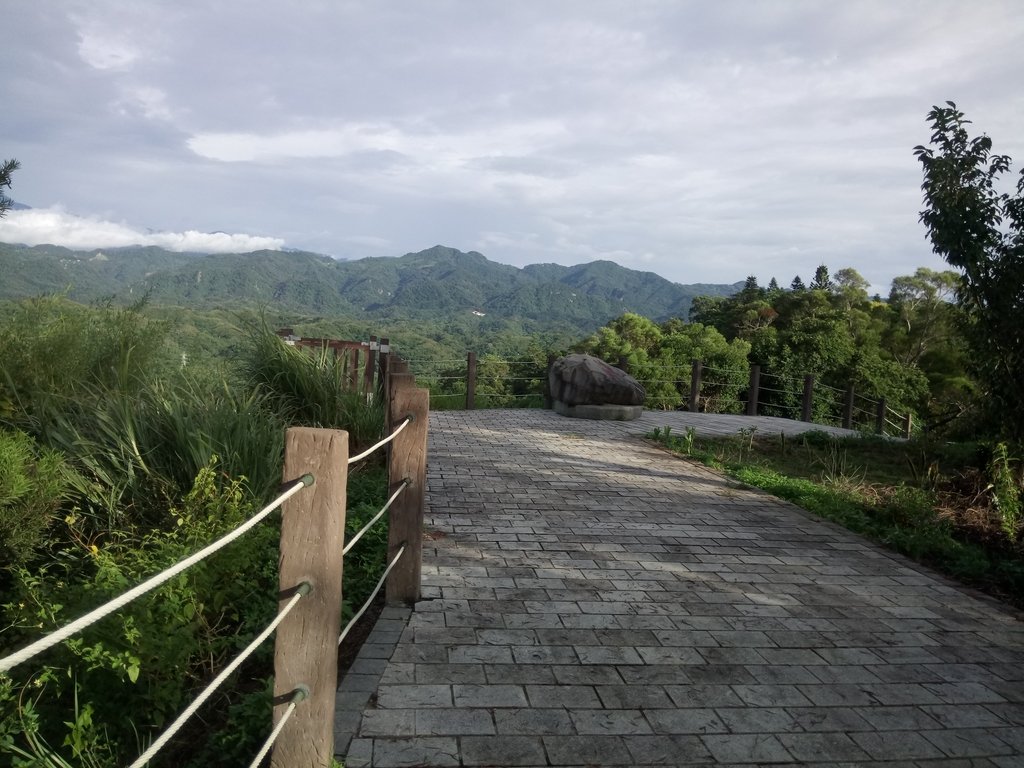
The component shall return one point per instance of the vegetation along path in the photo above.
(592, 600)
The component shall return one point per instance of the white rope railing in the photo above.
(369, 600)
(385, 441)
(40, 645)
(405, 484)
(192, 708)
(301, 694)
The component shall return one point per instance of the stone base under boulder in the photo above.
(609, 412)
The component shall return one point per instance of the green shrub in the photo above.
(33, 483)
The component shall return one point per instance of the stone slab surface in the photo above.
(591, 600)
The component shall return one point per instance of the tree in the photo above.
(797, 284)
(980, 231)
(821, 281)
(7, 168)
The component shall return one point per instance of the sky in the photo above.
(704, 141)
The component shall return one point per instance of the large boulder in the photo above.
(581, 385)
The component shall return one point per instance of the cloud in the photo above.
(52, 226)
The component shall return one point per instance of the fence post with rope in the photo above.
(407, 465)
(695, 386)
(753, 390)
(470, 381)
(306, 650)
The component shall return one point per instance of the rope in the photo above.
(385, 441)
(405, 484)
(301, 693)
(40, 645)
(192, 708)
(369, 600)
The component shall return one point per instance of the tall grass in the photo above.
(309, 388)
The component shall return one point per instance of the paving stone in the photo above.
(826, 747)
(667, 750)
(633, 696)
(609, 721)
(896, 745)
(562, 696)
(973, 742)
(502, 750)
(453, 722)
(489, 696)
(746, 748)
(587, 750)
(700, 720)
(399, 753)
(412, 696)
(539, 722)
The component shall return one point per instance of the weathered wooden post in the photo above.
(383, 360)
(848, 408)
(695, 386)
(808, 400)
(306, 647)
(753, 390)
(471, 381)
(880, 417)
(407, 462)
(908, 425)
(548, 397)
(371, 365)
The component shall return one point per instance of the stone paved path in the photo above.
(594, 601)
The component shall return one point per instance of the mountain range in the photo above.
(437, 282)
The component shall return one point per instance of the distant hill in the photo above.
(438, 283)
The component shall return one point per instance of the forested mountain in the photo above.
(438, 283)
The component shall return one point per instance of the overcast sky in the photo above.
(704, 141)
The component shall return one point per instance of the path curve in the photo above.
(591, 600)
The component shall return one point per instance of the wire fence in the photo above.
(301, 590)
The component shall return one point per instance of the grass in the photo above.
(926, 500)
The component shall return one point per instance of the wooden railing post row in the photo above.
(471, 381)
(808, 399)
(407, 462)
(753, 390)
(306, 645)
(353, 372)
(695, 386)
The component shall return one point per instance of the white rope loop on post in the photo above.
(369, 600)
(405, 484)
(383, 442)
(40, 645)
(301, 694)
(192, 708)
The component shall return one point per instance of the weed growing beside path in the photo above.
(942, 505)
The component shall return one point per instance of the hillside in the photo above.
(439, 284)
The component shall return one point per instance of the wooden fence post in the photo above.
(548, 399)
(753, 389)
(808, 401)
(385, 355)
(407, 461)
(848, 408)
(880, 417)
(471, 381)
(306, 646)
(908, 425)
(695, 386)
(371, 364)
